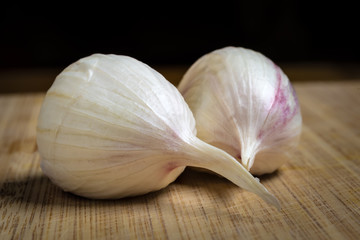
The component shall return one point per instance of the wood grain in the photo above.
(319, 188)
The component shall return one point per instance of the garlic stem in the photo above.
(248, 155)
(206, 156)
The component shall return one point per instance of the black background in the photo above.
(58, 33)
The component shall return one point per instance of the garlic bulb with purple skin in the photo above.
(111, 127)
(244, 104)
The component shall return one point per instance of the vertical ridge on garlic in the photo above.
(110, 127)
(244, 104)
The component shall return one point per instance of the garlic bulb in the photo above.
(111, 126)
(244, 104)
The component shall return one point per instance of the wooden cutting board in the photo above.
(319, 188)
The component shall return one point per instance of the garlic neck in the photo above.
(247, 162)
(203, 155)
(248, 153)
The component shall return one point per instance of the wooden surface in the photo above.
(319, 188)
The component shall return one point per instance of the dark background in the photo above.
(177, 32)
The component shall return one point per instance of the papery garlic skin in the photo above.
(111, 127)
(244, 104)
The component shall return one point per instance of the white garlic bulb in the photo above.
(244, 104)
(111, 126)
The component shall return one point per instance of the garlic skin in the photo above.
(110, 127)
(244, 104)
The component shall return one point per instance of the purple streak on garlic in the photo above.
(111, 126)
(244, 104)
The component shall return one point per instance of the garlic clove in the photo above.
(244, 104)
(111, 127)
